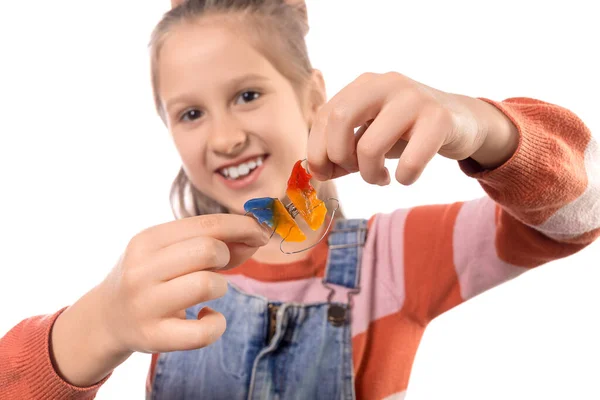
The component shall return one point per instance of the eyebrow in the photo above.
(248, 77)
(183, 98)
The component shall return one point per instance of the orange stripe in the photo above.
(431, 282)
(585, 239)
(150, 377)
(523, 246)
(383, 361)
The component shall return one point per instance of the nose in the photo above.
(227, 138)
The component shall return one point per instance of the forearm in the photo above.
(81, 352)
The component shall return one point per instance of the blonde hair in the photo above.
(277, 29)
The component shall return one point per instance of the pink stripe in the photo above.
(475, 258)
(382, 277)
(302, 291)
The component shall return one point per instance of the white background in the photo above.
(85, 164)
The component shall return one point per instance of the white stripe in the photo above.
(583, 214)
(474, 245)
(396, 396)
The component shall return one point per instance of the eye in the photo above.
(247, 97)
(191, 115)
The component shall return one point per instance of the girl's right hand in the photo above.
(141, 304)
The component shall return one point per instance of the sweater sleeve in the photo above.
(541, 205)
(26, 368)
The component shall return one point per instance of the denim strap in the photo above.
(346, 242)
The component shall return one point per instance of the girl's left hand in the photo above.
(402, 119)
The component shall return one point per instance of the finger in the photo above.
(355, 104)
(229, 228)
(316, 153)
(175, 334)
(195, 254)
(361, 131)
(320, 152)
(384, 132)
(360, 102)
(340, 136)
(425, 141)
(186, 291)
(338, 171)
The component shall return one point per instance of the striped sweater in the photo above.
(541, 205)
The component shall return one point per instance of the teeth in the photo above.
(242, 169)
(233, 172)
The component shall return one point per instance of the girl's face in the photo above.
(237, 123)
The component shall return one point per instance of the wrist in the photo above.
(82, 349)
(501, 136)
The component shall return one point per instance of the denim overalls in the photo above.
(274, 350)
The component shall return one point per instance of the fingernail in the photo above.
(267, 233)
(203, 312)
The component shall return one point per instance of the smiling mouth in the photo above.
(242, 170)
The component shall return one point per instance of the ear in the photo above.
(317, 95)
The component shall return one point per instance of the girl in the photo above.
(343, 320)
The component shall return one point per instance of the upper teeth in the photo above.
(242, 169)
